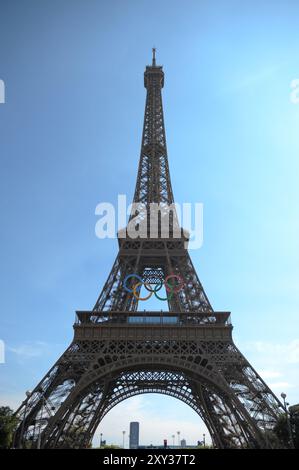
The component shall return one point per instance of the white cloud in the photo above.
(249, 80)
(29, 349)
(279, 352)
(269, 374)
(280, 386)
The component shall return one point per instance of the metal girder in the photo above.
(93, 376)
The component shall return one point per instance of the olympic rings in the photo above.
(140, 298)
(170, 288)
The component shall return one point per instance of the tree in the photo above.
(281, 430)
(294, 420)
(8, 425)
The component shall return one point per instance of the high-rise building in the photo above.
(134, 435)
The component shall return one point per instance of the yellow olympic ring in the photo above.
(136, 296)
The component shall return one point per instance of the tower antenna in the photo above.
(154, 57)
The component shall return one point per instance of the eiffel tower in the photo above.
(119, 351)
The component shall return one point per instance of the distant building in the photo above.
(134, 435)
(183, 443)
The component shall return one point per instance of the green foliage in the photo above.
(281, 430)
(8, 425)
(272, 441)
(294, 419)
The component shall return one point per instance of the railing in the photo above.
(152, 318)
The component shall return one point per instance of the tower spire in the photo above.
(154, 57)
(153, 179)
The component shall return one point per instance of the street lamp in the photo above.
(178, 433)
(285, 406)
(101, 441)
(124, 432)
(204, 440)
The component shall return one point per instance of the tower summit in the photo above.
(153, 177)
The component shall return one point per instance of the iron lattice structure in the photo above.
(118, 352)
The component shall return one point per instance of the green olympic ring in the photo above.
(170, 289)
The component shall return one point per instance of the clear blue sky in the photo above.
(70, 135)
